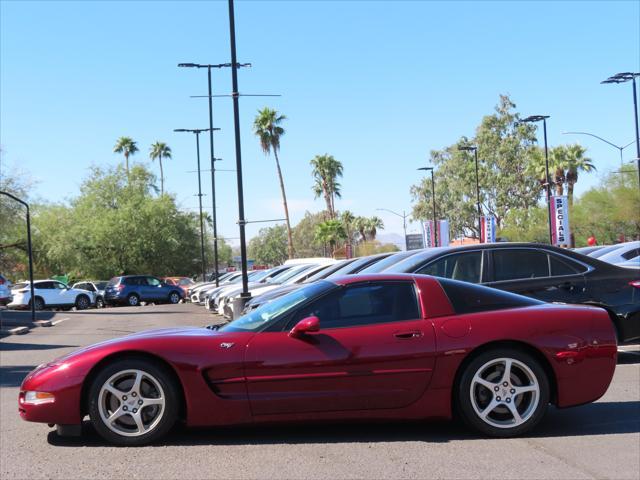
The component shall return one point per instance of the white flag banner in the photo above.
(488, 229)
(560, 231)
(443, 233)
(428, 233)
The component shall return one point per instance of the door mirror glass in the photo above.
(305, 326)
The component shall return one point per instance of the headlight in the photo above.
(38, 398)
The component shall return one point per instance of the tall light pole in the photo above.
(620, 148)
(534, 119)
(197, 132)
(213, 159)
(630, 77)
(404, 224)
(29, 251)
(475, 153)
(433, 197)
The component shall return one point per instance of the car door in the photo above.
(66, 296)
(374, 350)
(155, 290)
(46, 291)
(537, 273)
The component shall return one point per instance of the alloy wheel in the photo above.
(131, 403)
(504, 393)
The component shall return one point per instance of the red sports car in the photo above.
(360, 347)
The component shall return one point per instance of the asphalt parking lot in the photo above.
(600, 440)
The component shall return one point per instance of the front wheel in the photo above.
(503, 393)
(82, 302)
(133, 402)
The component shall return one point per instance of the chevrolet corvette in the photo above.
(370, 347)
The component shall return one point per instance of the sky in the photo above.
(375, 84)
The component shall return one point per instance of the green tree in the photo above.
(127, 147)
(331, 232)
(267, 126)
(505, 148)
(269, 247)
(157, 151)
(348, 221)
(326, 171)
(373, 224)
(304, 235)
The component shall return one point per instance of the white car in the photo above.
(625, 252)
(51, 294)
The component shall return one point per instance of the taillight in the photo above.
(1, 281)
(635, 283)
(120, 287)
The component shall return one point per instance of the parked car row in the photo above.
(122, 290)
(538, 271)
(626, 254)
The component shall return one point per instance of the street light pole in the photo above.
(213, 183)
(29, 250)
(433, 197)
(622, 78)
(197, 133)
(404, 224)
(533, 119)
(236, 123)
(619, 147)
(475, 153)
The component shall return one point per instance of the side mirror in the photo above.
(305, 326)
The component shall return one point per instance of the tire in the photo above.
(100, 302)
(174, 297)
(133, 300)
(39, 303)
(143, 414)
(491, 404)
(82, 302)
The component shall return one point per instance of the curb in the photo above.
(44, 323)
(14, 331)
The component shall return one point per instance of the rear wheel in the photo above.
(100, 302)
(39, 303)
(503, 392)
(133, 402)
(174, 297)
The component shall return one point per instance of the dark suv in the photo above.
(540, 271)
(133, 289)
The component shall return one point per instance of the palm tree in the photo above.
(159, 150)
(347, 218)
(326, 171)
(373, 224)
(127, 146)
(360, 224)
(331, 232)
(576, 162)
(267, 127)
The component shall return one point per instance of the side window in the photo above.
(521, 263)
(564, 267)
(58, 285)
(90, 287)
(43, 285)
(152, 281)
(631, 254)
(465, 267)
(367, 304)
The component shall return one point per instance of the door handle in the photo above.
(412, 334)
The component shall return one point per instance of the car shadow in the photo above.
(603, 418)
(628, 358)
(12, 376)
(12, 347)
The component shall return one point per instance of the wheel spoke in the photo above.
(114, 391)
(116, 415)
(152, 401)
(137, 417)
(136, 383)
(506, 376)
(485, 383)
(493, 404)
(525, 389)
(514, 412)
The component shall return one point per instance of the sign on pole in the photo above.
(488, 229)
(560, 220)
(429, 234)
(443, 233)
(415, 241)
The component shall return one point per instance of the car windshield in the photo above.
(259, 275)
(287, 274)
(409, 264)
(324, 273)
(101, 285)
(257, 319)
(385, 263)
